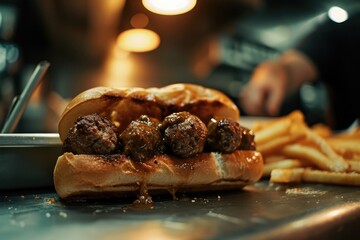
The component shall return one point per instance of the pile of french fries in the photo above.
(295, 152)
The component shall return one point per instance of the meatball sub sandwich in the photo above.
(182, 137)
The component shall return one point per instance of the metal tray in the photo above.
(262, 211)
(27, 160)
(31, 209)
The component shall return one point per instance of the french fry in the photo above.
(354, 166)
(314, 156)
(314, 176)
(274, 158)
(289, 145)
(274, 146)
(280, 132)
(352, 157)
(335, 161)
(346, 147)
(272, 131)
(277, 127)
(322, 130)
(287, 175)
(284, 164)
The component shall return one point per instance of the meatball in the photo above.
(141, 139)
(184, 134)
(224, 135)
(92, 134)
(247, 142)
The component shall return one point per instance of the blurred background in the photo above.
(91, 43)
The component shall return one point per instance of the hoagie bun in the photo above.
(156, 140)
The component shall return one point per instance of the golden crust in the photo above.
(89, 175)
(201, 101)
(107, 175)
(122, 105)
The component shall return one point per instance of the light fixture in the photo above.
(169, 7)
(338, 14)
(138, 40)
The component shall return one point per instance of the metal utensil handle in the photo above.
(24, 97)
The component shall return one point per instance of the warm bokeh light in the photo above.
(169, 7)
(139, 20)
(338, 14)
(118, 70)
(206, 58)
(138, 40)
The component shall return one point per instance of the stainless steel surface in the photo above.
(29, 140)
(262, 211)
(28, 160)
(31, 209)
(20, 103)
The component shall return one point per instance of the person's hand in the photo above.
(266, 89)
(273, 80)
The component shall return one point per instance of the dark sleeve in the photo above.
(334, 49)
(331, 46)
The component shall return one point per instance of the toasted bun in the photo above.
(86, 175)
(122, 105)
(116, 175)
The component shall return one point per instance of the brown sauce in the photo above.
(144, 200)
(172, 191)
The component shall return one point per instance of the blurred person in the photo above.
(330, 54)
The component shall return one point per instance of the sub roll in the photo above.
(136, 141)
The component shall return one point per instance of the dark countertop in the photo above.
(262, 211)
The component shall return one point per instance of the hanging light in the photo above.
(138, 40)
(338, 14)
(169, 7)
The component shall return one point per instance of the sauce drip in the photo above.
(144, 200)
(172, 191)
